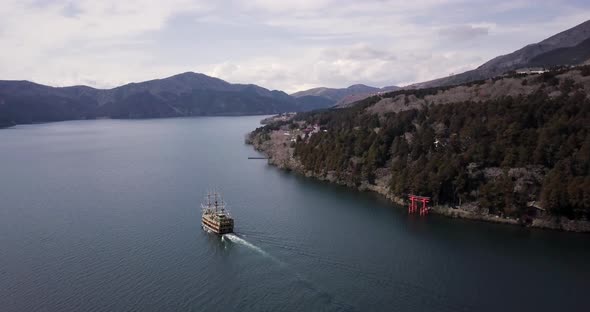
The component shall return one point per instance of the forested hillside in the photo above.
(509, 155)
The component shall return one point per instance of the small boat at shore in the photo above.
(215, 218)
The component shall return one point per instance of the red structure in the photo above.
(413, 207)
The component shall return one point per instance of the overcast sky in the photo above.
(289, 45)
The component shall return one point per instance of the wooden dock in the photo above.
(257, 157)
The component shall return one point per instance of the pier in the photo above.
(257, 157)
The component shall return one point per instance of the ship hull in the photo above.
(216, 228)
(216, 231)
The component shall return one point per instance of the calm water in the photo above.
(104, 216)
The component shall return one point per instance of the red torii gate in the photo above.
(414, 199)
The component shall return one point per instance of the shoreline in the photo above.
(11, 125)
(280, 155)
(7, 125)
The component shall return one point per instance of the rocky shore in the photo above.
(278, 148)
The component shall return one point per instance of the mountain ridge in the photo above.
(520, 58)
(343, 96)
(567, 48)
(184, 94)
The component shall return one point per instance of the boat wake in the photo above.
(299, 280)
(238, 240)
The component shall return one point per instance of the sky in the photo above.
(289, 45)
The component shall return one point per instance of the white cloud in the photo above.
(288, 45)
(343, 66)
(58, 41)
(464, 32)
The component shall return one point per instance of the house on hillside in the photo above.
(531, 71)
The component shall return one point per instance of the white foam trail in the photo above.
(238, 240)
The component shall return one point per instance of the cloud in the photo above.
(286, 45)
(59, 38)
(346, 65)
(361, 51)
(463, 32)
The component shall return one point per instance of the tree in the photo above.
(547, 134)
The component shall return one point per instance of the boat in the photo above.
(215, 218)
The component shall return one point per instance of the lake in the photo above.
(105, 216)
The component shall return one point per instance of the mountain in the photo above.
(311, 102)
(187, 94)
(336, 94)
(578, 54)
(344, 95)
(570, 47)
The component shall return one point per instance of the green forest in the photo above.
(538, 146)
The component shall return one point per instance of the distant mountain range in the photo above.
(187, 94)
(193, 94)
(570, 47)
(344, 96)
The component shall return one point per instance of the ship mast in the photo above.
(216, 204)
(219, 203)
(207, 207)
